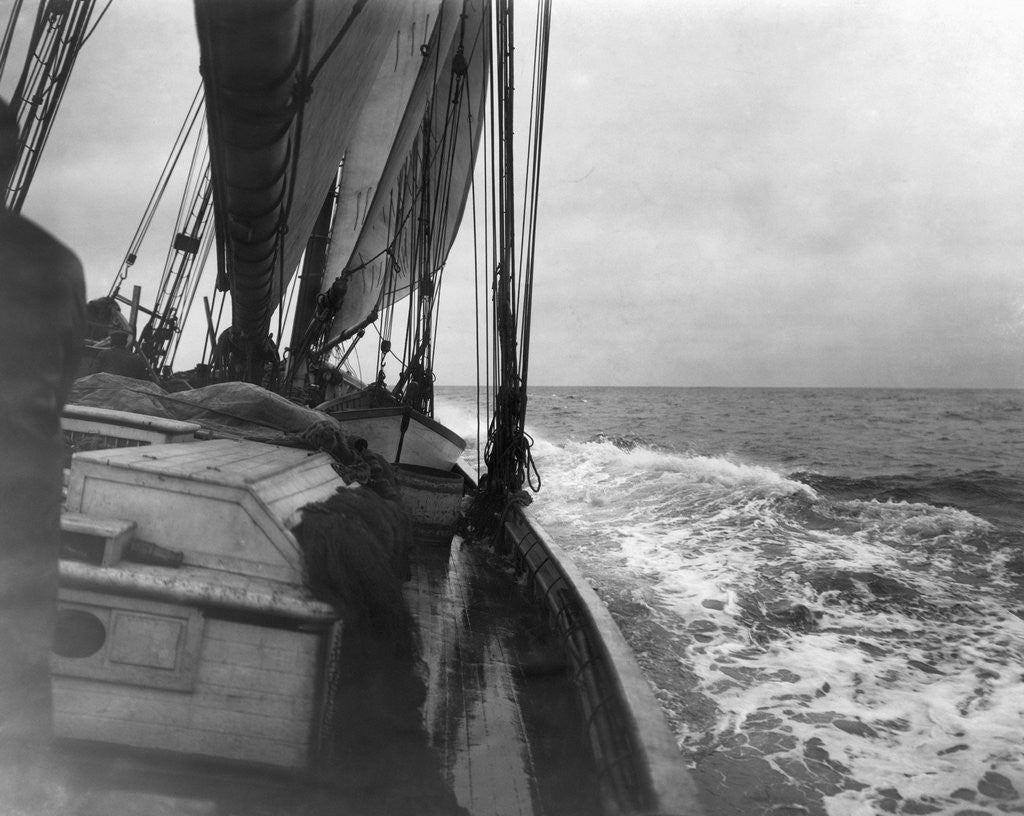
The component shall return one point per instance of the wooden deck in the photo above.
(500, 711)
(484, 720)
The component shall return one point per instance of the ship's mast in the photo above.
(513, 221)
(508, 461)
(309, 324)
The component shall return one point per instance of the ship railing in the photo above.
(640, 767)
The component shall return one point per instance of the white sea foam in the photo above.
(921, 673)
(914, 520)
(462, 419)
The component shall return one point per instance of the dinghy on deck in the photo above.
(402, 434)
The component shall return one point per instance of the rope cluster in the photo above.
(507, 454)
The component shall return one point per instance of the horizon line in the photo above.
(771, 387)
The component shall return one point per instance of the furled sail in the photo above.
(285, 82)
(425, 178)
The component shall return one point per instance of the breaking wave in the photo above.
(845, 639)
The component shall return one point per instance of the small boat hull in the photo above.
(403, 436)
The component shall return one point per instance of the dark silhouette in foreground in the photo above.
(42, 326)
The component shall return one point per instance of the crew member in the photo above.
(42, 326)
(228, 359)
(119, 359)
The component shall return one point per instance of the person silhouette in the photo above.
(42, 327)
(119, 359)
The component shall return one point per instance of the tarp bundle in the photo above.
(232, 408)
(120, 394)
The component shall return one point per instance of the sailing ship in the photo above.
(236, 589)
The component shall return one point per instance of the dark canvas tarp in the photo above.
(234, 408)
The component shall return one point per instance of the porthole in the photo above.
(78, 633)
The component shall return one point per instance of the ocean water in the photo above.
(824, 587)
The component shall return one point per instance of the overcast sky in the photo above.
(734, 193)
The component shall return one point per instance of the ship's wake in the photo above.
(814, 651)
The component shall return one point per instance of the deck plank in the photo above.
(472, 711)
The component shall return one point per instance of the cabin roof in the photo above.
(235, 463)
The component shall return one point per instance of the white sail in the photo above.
(425, 24)
(370, 232)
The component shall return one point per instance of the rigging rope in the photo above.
(5, 44)
(184, 132)
(310, 76)
(54, 46)
(507, 455)
(102, 14)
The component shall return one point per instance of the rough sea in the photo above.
(825, 588)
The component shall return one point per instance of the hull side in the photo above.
(639, 766)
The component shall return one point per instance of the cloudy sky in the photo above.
(734, 193)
